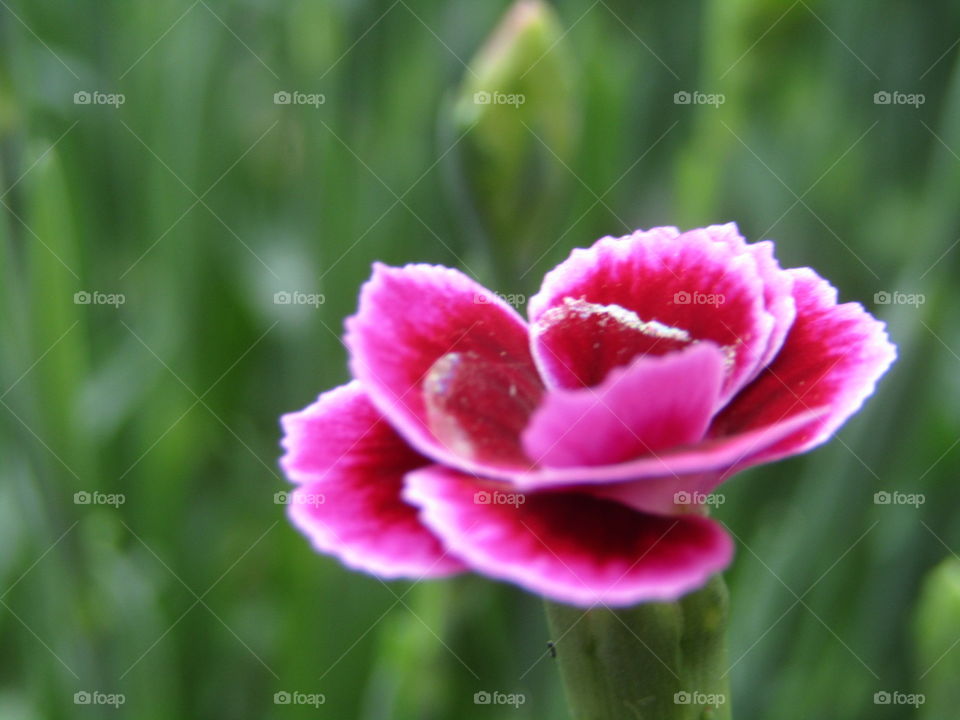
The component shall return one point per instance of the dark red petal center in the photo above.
(478, 407)
(582, 341)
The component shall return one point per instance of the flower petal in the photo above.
(478, 408)
(688, 283)
(570, 547)
(577, 343)
(350, 464)
(654, 404)
(777, 284)
(412, 318)
(833, 356)
(650, 483)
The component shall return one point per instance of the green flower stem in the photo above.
(659, 661)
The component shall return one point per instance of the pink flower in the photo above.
(560, 453)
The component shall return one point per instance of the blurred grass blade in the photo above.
(58, 319)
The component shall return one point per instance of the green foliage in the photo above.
(198, 198)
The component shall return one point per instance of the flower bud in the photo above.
(518, 114)
(936, 631)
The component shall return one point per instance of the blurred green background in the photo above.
(200, 197)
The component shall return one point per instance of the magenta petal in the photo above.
(350, 465)
(692, 283)
(570, 547)
(341, 432)
(833, 356)
(656, 403)
(671, 495)
(650, 483)
(777, 284)
(410, 319)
